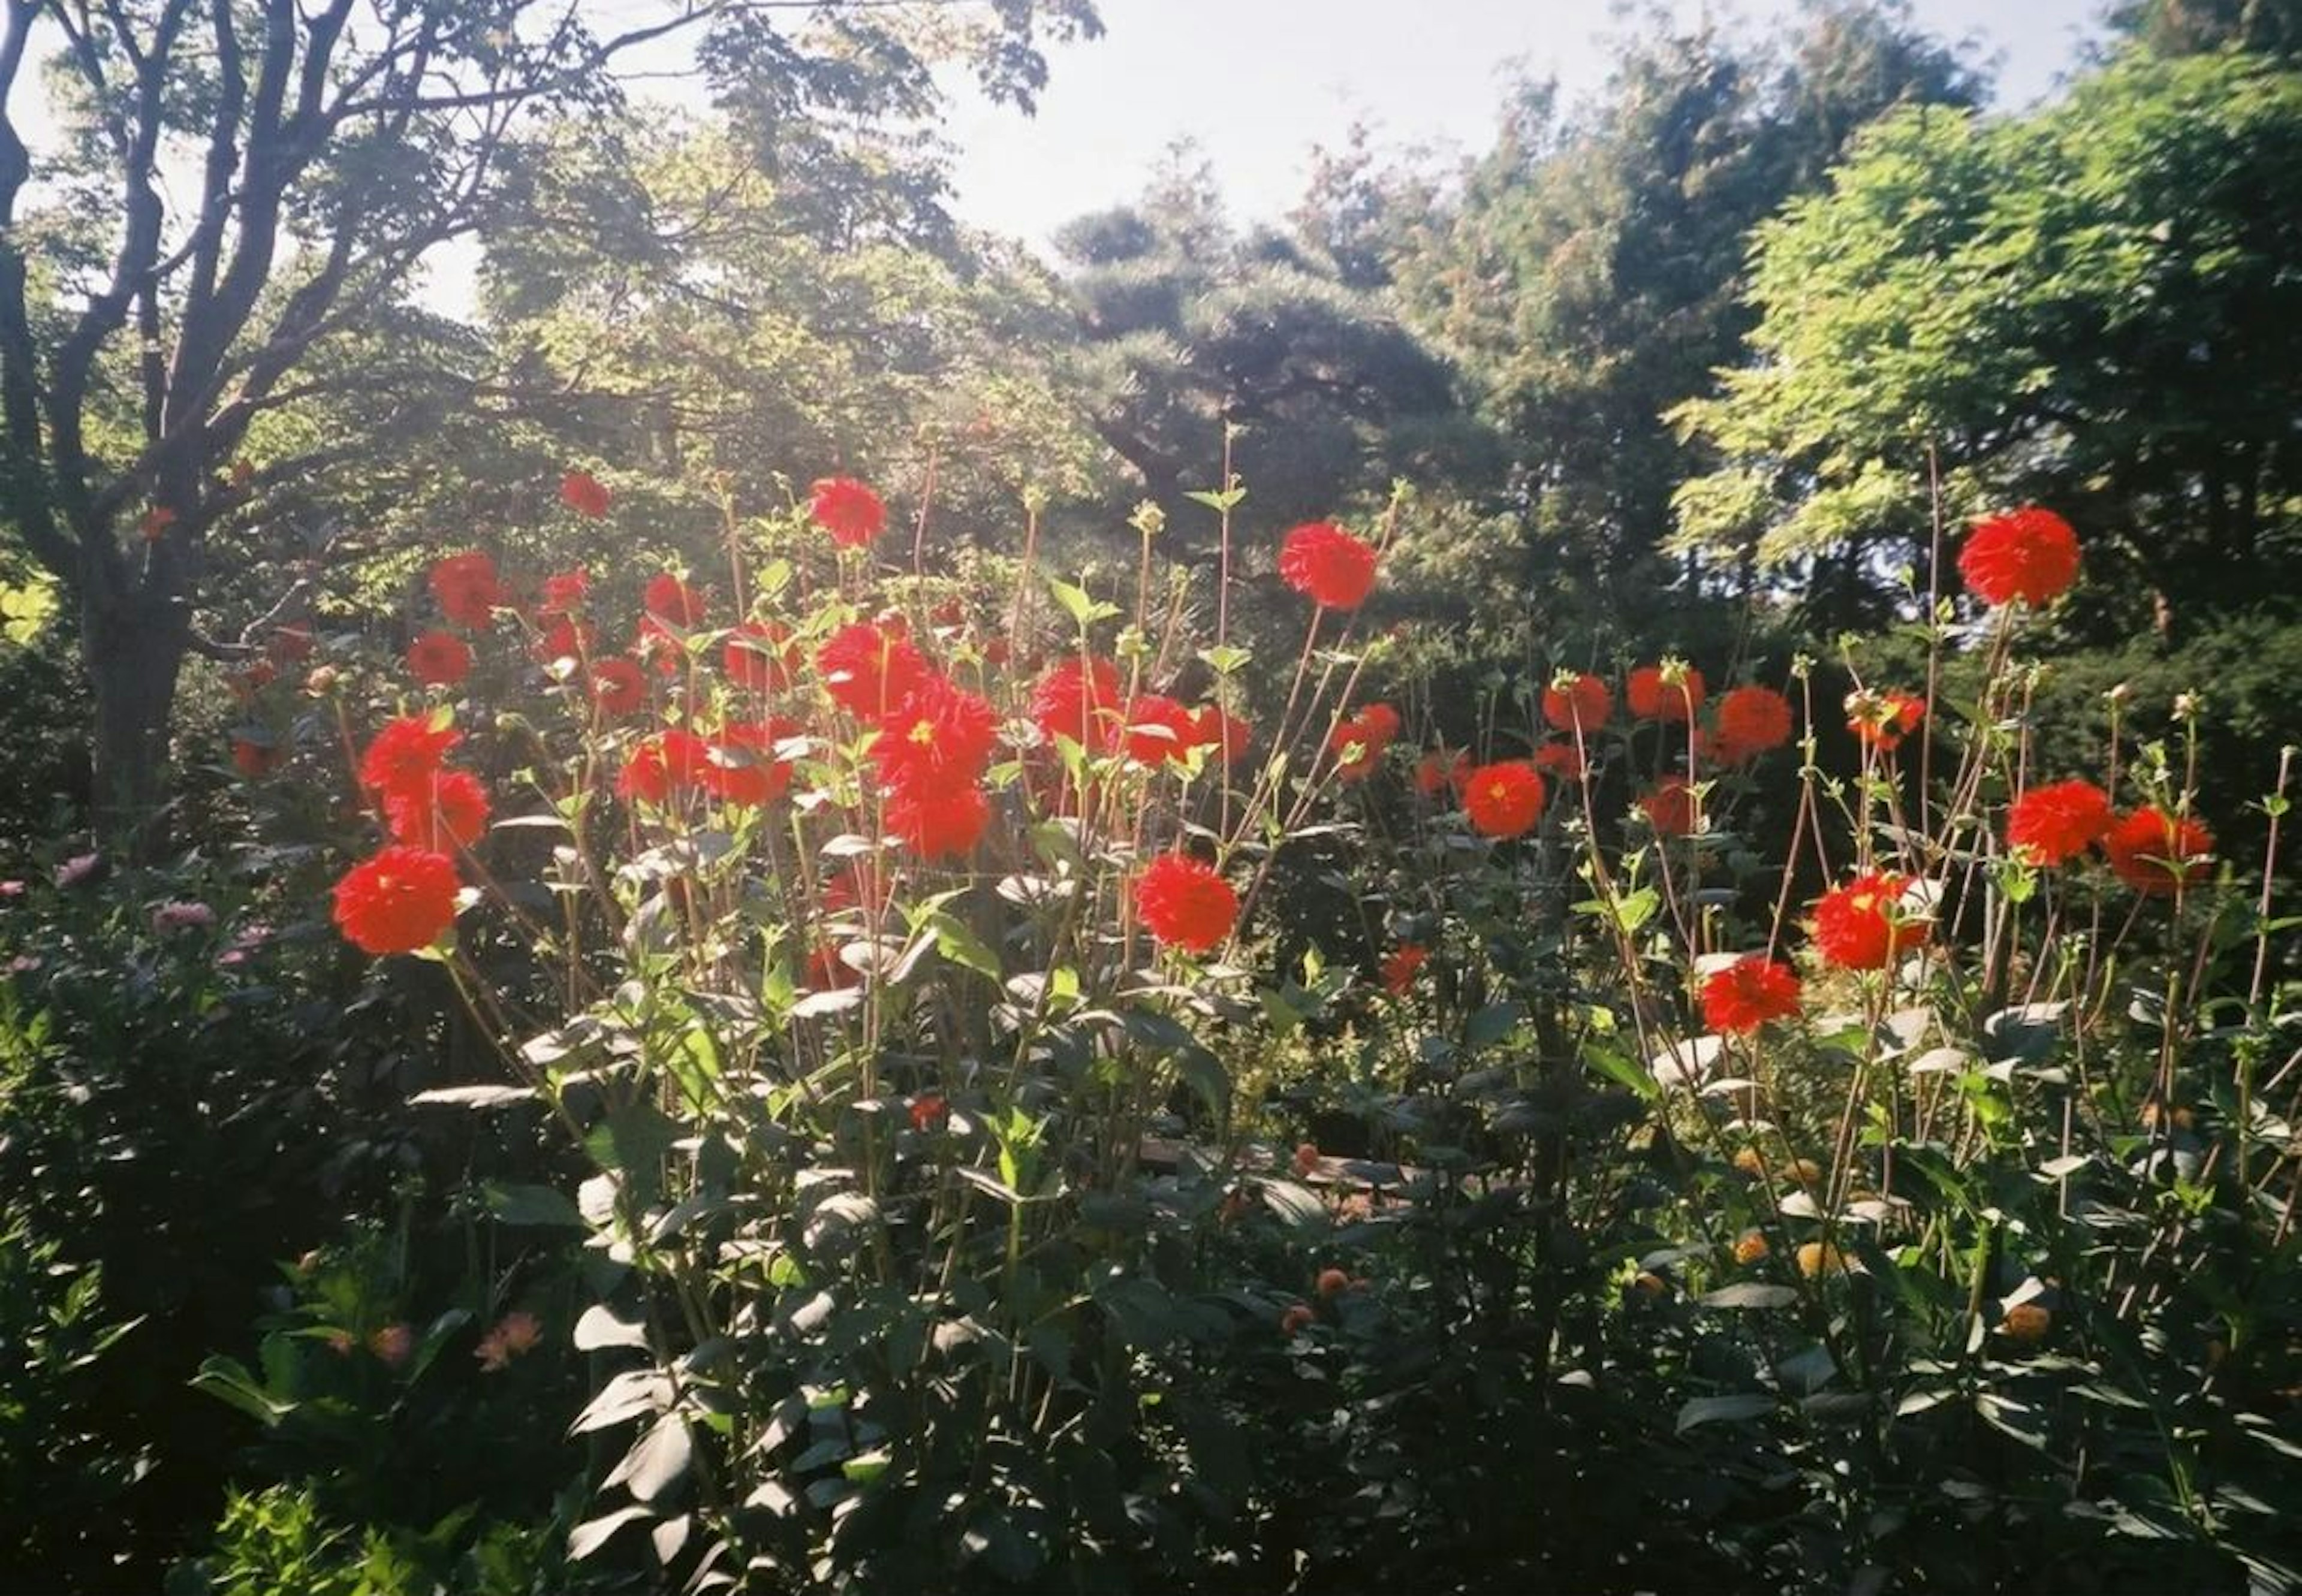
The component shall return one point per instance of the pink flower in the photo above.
(173, 917)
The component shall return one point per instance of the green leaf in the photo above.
(544, 1207)
(1723, 1410)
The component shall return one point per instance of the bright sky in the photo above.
(1260, 82)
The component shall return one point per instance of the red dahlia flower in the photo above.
(1079, 699)
(253, 759)
(869, 669)
(1159, 731)
(2057, 822)
(2029, 554)
(1882, 720)
(1328, 565)
(1752, 722)
(1185, 903)
(1669, 807)
(449, 809)
(1358, 743)
(1442, 770)
(1859, 926)
(406, 754)
(564, 591)
(939, 825)
(468, 588)
(1653, 698)
(744, 772)
(1748, 992)
(617, 687)
(672, 602)
(2157, 854)
(665, 769)
(1399, 969)
(758, 657)
(1503, 799)
(401, 900)
(1215, 728)
(849, 511)
(584, 493)
(438, 659)
(1562, 760)
(1587, 701)
(941, 737)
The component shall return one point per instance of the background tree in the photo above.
(329, 151)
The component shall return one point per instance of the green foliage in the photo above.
(2091, 306)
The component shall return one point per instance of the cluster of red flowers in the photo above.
(2153, 852)
(403, 898)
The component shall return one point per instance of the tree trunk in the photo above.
(133, 651)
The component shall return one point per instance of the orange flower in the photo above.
(1503, 799)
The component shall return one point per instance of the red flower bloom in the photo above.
(1653, 698)
(672, 602)
(1358, 742)
(451, 808)
(1669, 806)
(744, 772)
(1185, 903)
(1858, 925)
(1080, 700)
(1561, 760)
(290, 645)
(1882, 720)
(438, 659)
(848, 510)
(939, 825)
(929, 1113)
(467, 589)
(1504, 800)
(1442, 770)
(563, 639)
(1159, 731)
(1226, 734)
(940, 738)
(2155, 853)
(401, 900)
(617, 687)
(253, 759)
(1748, 992)
(404, 754)
(2029, 554)
(758, 657)
(564, 591)
(1398, 970)
(1752, 721)
(2059, 821)
(869, 670)
(1587, 701)
(584, 493)
(665, 769)
(1328, 565)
